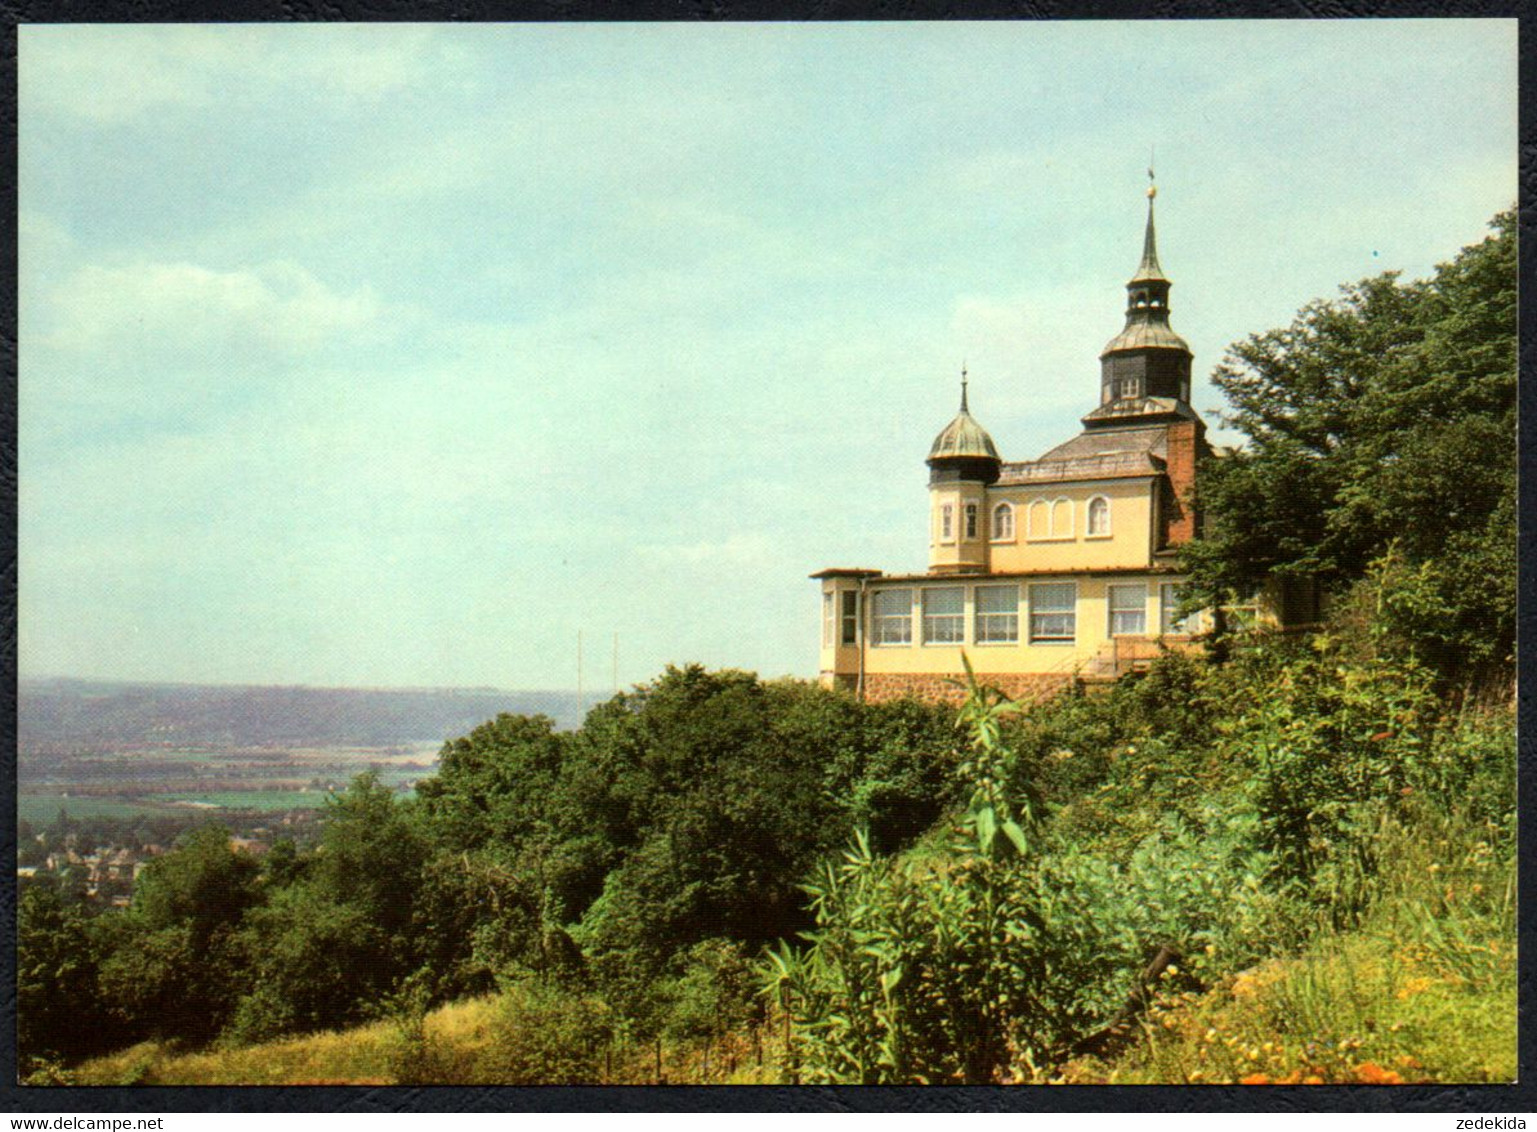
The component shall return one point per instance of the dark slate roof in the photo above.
(1141, 335)
(1120, 453)
(963, 437)
(1136, 410)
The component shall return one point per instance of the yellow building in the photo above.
(1047, 570)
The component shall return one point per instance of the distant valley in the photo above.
(98, 749)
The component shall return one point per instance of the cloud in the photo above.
(269, 307)
(113, 74)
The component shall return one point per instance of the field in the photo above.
(40, 809)
(185, 781)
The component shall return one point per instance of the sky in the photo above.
(403, 354)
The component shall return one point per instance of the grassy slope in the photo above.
(367, 1055)
(1423, 990)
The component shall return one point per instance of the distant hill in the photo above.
(58, 714)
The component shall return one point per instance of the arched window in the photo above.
(1039, 519)
(1061, 518)
(1003, 523)
(1098, 525)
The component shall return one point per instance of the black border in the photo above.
(1487, 1099)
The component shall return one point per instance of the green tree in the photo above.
(58, 1012)
(1380, 450)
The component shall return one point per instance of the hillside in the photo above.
(65, 715)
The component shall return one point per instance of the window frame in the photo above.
(969, 522)
(995, 534)
(954, 622)
(880, 621)
(1111, 611)
(848, 619)
(1071, 613)
(947, 522)
(827, 619)
(1168, 601)
(1088, 517)
(982, 631)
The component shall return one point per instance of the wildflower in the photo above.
(1171, 970)
(1370, 1073)
(1254, 1079)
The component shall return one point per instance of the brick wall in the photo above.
(1179, 512)
(937, 686)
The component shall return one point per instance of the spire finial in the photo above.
(964, 409)
(1152, 187)
(1149, 267)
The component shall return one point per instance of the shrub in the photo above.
(544, 1035)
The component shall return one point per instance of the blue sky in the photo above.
(399, 354)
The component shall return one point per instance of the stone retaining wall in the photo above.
(936, 686)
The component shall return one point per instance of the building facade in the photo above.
(1044, 571)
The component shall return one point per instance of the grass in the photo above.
(41, 809)
(459, 1048)
(261, 800)
(1423, 990)
(365, 1055)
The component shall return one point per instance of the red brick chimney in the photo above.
(1183, 448)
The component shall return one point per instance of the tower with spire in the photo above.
(1144, 371)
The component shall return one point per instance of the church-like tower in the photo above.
(1145, 369)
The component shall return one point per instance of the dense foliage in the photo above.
(1027, 934)
(1380, 460)
(646, 856)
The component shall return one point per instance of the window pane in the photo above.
(971, 520)
(1099, 516)
(893, 617)
(1054, 597)
(1052, 616)
(1003, 521)
(997, 614)
(1170, 594)
(850, 617)
(943, 619)
(1128, 611)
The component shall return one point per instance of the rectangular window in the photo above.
(971, 520)
(850, 617)
(893, 617)
(944, 618)
(827, 621)
(1128, 611)
(1169, 597)
(997, 615)
(946, 523)
(1053, 612)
